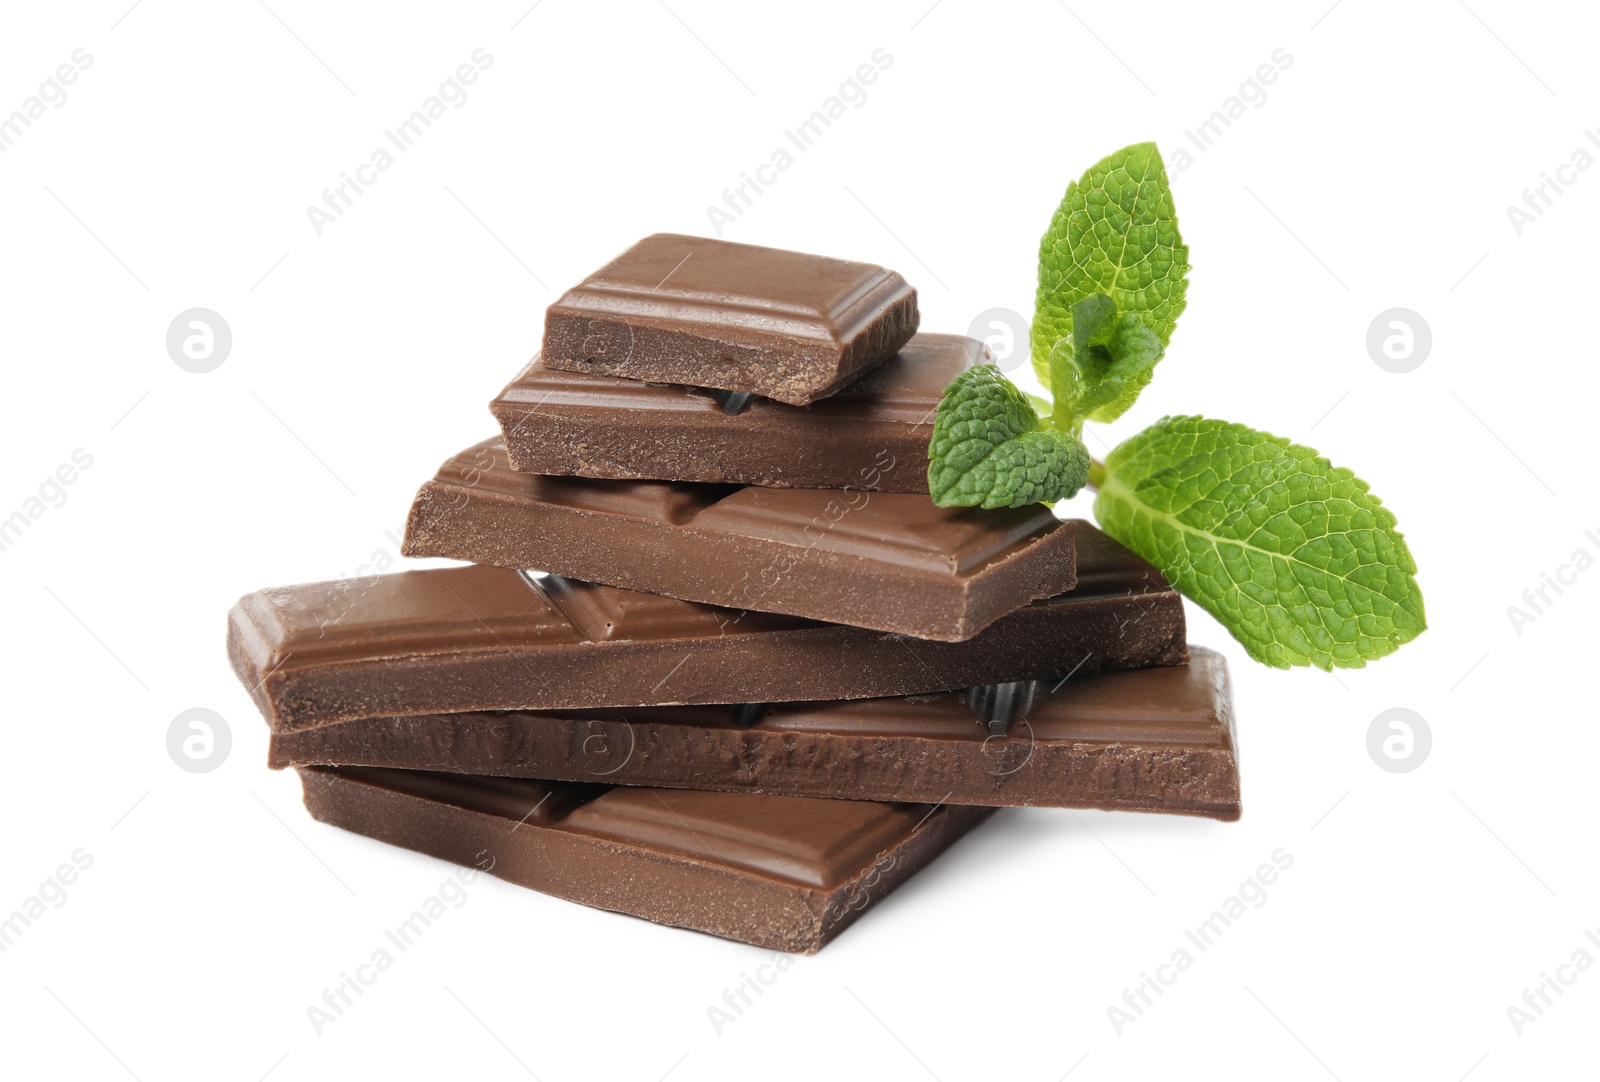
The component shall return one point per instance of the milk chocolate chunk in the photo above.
(488, 638)
(890, 561)
(784, 873)
(873, 434)
(1152, 740)
(711, 313)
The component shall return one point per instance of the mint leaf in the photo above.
(990, 449)
(1099, 369)
(1134, 351)
(1115, 233)
(1072, 367)
(1294, 556)
(1093, 320)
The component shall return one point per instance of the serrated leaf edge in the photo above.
(1114, 487)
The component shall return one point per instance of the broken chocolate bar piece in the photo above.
(487, 638)
(785, 873)
(711, 313)
(873, 434)
(890, 561)
(1153, 740)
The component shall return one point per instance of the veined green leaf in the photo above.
(990, 449)
(1294, 556)
(1115, 233)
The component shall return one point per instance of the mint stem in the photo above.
(1097, 474)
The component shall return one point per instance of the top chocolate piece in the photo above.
(734, 317)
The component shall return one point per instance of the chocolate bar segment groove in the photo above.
(883, 560)
(711, 313)
(873, 434)
(783, 873)
(481, 638)
(1152, 740)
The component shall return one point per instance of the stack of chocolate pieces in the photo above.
(719, 661)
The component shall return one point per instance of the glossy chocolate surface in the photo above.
(1157, 740)
(487, 638)
(872, 434)
(888, 561)
(712, 313)
(784, 873)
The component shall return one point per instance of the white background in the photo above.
(1375, 174)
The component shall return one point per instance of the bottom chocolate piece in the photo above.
(1153, 740)
(785, 873)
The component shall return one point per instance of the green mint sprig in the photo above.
(1293, 555)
